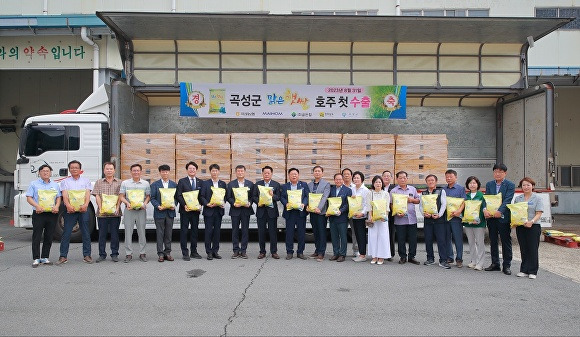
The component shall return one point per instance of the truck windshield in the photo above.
(43, 138)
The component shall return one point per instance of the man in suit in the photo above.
(387, 178)
(267, 215)
(240, 213)
(498, 223)
(212, 212)
(318, 212)
(295, 218)
(162, 214)
(188, 217)
(454, 227)
(339, 223)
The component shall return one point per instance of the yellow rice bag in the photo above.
(136, 198)
(192, 200)
(354, 205)
(493, 202)
(568, 235)
(519, 213)
(265, 199)
(77, 198)
(294, 199)
(109, 203)
(46, 199)
(471, 211)
(453, 205)
(576, 238)
(167, 197)
(430, 203)
(218, 195)
(241, 195)
(334, 204)
(379, 208)
(400, 203)
(552, 232)
(313, 201)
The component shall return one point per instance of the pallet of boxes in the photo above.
(421, 155)
(306, 150)
(256, 150)
(150, 150)
(204, 150)
(370, 154)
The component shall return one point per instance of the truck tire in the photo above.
(76, 235)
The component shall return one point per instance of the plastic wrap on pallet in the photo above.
(204, 150)
(150, 151)
(256, 150)
(421, 155)
(370, 154)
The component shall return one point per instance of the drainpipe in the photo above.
(398, 8)
(173, 6)
(45, 7)
(95, 57)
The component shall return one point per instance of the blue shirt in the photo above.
(456, 191)
(39, 184)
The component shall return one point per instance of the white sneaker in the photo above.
(478, 268)
(36, 263)
(471, 265)
(532, 276)
(46, 261)
(359, 259)
(520, 274)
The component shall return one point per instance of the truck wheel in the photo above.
(76, 235)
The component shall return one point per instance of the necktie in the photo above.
(193, 184)
(337, 191)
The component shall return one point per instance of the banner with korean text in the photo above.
(292, 101)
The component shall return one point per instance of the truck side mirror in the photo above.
(63, 172)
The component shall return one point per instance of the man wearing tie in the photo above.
(240, 213)
(267, 214)
(339, 223)
(163, 215)
(212, 213)
(188, 217)
(295, 218)
(317, 212)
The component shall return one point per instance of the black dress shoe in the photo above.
(186, 258)
(403, 260)
(288, 256)
(217, 256)
(301, 256)
(333, 258)
(413, 261)
(492, 267)
(507, 271)
(195, 255)
(210, 256)
(340, 259)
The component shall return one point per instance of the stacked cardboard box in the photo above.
(420, 155)
(256, 150)
(369, 153)
(306, 150)
(150, 150)
(204, 150)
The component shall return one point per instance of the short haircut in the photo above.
(214, 166)
(401, 172)
(500, 166)
(164, 167)
(317, 166)
(191, 163)
(346, 169)
(240, 167)
(136, 165)
(267, 167)
(450, 171)
(109, 163)
(474, 178)
(528, 179)
(43, 166)
(375, 178)
(293, 169)
(385, 171)
(337, 174)
(360, 174)
(431, 175)
(75, 162)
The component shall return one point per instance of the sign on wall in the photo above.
(280, 101)
(45, 52)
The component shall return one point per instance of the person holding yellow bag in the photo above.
(188, 195)
(163, 202)
(475, 225)
(44, 195)
(359, 216)
(433, 205)
(213, 210)
(528, 234)
(109, 218)
(295, 212)
(318, 212)
(266, 196)
(379, 246)
(239, 195)
(406, 222)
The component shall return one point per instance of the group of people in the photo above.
(347, 202)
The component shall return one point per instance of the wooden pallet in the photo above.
(561, 241)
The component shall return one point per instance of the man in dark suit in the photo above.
(387, 178)
(240, 213)
(318, 212)
(295, 218)
(163, 215)
(498, 223)
(212, 212)
(339, 223)
(187, 216)
(267, 215)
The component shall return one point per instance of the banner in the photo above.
(281, 101)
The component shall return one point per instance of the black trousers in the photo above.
(360, 231)
(529, 240)
(213, 225)
(504, 231)
(407, 233)
(42, 223)
(272, 228)
(186, 219)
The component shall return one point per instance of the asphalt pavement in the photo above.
(272, 297)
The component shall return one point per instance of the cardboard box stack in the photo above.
(150, 150)
(420, 155)
(204, 150)
(369, 153)
(256, 150)
(306, 150)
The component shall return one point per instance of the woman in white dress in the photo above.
(378, 244)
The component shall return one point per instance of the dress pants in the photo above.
(338, 233)
(70, 219)
(295, 221)
(272, 227)
(360, 231)
(244, 221)
(407, 233)
(455, 228)
(529, 240)
(42, 223)
(353, 237)
(164, 231)
(504, 231)
(109, 225)
(435, 229)
(131, 219)
(186, 219)
(475, 238)
(318, 222)
(392, 234)
(213, 225)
